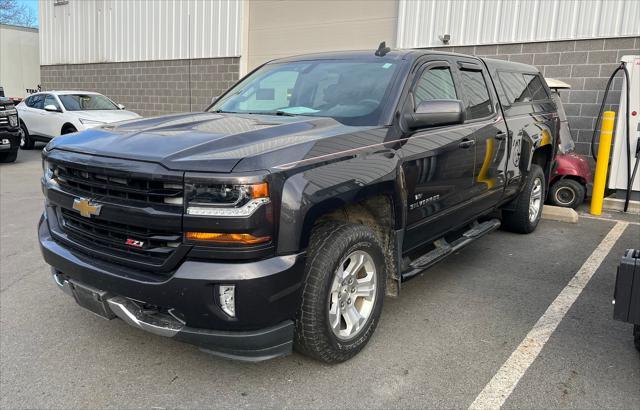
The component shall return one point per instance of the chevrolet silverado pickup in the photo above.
(9, 131)
(282, 215)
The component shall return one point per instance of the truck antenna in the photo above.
(382, 49)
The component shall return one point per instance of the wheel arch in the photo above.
(67, 125)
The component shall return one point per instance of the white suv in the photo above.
(48, 114)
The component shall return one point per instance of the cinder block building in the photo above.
(166, 56)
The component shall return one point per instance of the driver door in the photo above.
(51, 121)
(438, 162)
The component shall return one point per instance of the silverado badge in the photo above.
(86, 208)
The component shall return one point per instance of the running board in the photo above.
(444, 248)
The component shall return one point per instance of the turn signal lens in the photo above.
(260, 190)
(242, 238)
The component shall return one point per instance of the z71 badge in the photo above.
(135, 243)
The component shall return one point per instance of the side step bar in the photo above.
(444, 248)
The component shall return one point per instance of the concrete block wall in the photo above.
(149, 87)
(585, 64)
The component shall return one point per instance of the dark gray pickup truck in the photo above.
(282, 215)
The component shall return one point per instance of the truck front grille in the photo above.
(99, 184)
(126, 242)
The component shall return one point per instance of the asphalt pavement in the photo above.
(437, 345)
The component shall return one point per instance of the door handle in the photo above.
(467, 143)
(502, 135)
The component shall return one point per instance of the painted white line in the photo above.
(502, 384)
(602, 218)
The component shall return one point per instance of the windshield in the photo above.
(86, 102)
(349, 91)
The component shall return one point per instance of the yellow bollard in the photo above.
(602, 165)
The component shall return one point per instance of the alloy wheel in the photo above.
(565, 195)
(353, 295)
(23, 138)
(535, 201)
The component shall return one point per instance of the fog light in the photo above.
(227, 296)
(6, 142)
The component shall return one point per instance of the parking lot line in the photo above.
(500, 387)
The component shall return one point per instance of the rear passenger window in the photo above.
(477, 100)
(534, 84)
(514, 87)
(435, 84)
(36, 101)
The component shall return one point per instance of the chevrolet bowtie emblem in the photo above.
(86, 208)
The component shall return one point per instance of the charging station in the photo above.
(620, 170)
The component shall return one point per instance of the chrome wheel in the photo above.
(353, 295)
(535, 200)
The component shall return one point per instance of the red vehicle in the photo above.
(572, 178)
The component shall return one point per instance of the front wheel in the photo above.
(25, 139)
(343, 292)
(525, 215)
(6, 157)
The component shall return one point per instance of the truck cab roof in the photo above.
(409, 54)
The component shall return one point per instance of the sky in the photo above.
(33, 5)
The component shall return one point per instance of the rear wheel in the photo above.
(527, 211)
(25, 139)
(343, 292)
(567, 193)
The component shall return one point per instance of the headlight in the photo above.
(47, 170)
(86, 121)
(13, 120)
(225, 200)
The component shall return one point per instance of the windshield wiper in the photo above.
(281, 113)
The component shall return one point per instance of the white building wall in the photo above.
(96, 31)
(19, 60)
(472, 22)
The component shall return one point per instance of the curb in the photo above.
(557, 213)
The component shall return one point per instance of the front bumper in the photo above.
(267, 297)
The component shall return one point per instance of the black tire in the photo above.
(636, 336)
(330, 243)
(68, 129)
(567, 193)
(26, 142)
(518, 220)
(6, 157)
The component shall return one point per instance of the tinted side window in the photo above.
(477, 100)
(435, 84)
(514, 87)
(537, 90)
(36, 101)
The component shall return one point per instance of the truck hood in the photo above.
(208, 142)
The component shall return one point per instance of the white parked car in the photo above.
(48, 114)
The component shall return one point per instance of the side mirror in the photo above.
(436, 112)
(122, 107)
(214, 99)
(51, 108)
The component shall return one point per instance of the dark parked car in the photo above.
(282, 215)
(9, 131)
